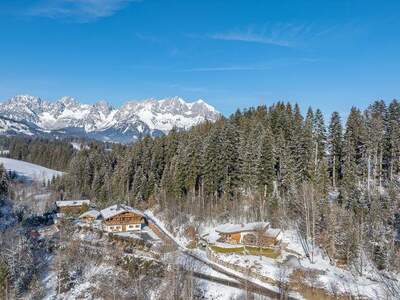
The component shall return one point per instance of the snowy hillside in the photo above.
(29, 170)
(11, 127)
(101, 121)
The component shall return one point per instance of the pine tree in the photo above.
(393, 139)
(335, 146)
(375, 119)
(298, 145)
(319, 135)
(213, 168)
(354, 154)
(308, 145)
(266, 162)
(230, 158)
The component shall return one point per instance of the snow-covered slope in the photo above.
(102, 121)
(12, 127)
(28, 170)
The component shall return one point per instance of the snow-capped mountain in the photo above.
(101, 121)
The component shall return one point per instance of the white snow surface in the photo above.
(215, 291)
(233, 228)
(29, 170)
(79, 146)
(117, 209)
(10, 126)
(72, 202)
(90, 213)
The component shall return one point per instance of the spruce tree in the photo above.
(308, 144)
(335, 146)
(393, 139)
(230, 158)
(354, 149)
(266, 163)
(319, 135)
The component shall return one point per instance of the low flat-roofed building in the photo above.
(256, 234)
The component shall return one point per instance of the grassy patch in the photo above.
(268, 252)
(227, 250)
(256, 251)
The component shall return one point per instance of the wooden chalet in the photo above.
(72, 206)
(90, 216)
(253, 234)
(121, 218)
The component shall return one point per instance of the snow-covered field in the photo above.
(28, 170)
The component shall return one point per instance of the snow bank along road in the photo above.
(28, 170)
(244, 284)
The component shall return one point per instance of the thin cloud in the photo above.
(279, 63)
(250, 37)
(282, 35)
(77, 10)
(228, 68)
(188, 88)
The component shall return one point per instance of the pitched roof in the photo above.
(90, 213)
(72, 203)
(117, 209)
(234, 228)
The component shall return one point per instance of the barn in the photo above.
(121, 218)
(72, 206)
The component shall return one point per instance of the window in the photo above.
(134, 226)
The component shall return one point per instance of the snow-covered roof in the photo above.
(116, 209)
(90, 213)
(273, 232)
(233, 228)
(72, 203)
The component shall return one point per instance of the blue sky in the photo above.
(327, 54)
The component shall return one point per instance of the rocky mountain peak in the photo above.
(132, 120)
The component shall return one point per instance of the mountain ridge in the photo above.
(102, 121)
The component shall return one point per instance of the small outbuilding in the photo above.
(90, 216)
(72, 206)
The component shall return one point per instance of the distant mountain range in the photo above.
(32, 116)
